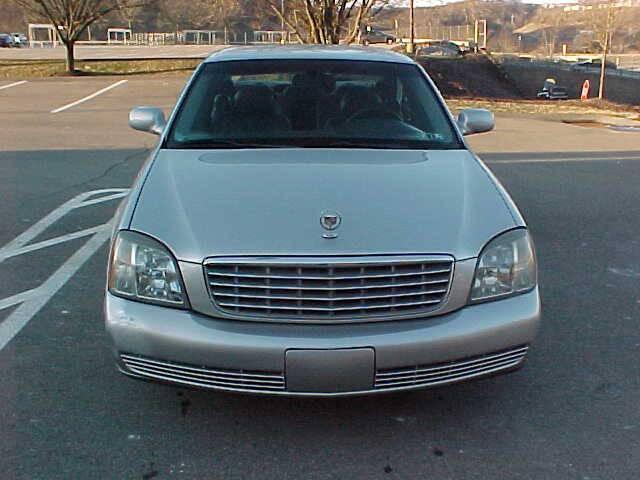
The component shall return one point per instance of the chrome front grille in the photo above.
(329, 288)
(424, 376)
(236, 380)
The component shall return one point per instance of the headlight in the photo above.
(507, 266)
(141, 268)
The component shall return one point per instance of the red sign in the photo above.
(585, 90)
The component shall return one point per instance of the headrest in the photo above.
(299, 80)
(226, 87)
(221, 106)
(358, 98)
(255, 99)
(329, 82)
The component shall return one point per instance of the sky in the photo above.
(430, 3)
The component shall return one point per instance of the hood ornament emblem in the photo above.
(330, 221)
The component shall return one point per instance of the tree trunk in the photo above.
(71, 60)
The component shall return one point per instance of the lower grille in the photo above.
(423, 376)
(238, 380)
(329, 288)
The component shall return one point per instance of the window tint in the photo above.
(311, 103)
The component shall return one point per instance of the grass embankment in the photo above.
(552, 110)
(27, 69)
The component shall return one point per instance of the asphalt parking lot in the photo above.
(67, 158)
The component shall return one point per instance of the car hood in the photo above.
(269, 202)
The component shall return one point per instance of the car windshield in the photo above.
(311, 103)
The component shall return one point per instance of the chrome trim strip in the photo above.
(426, 376)
(175, 371)
(450, 378)
(333, 299)
(239, 386)
(366, 287)
(326, 277)
(344, 261)
(250, 373)
(203, 377)
(326, 309)
(454, 372)
(522, 351)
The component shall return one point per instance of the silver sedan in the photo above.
(312, 222)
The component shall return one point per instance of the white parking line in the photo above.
(14, 84)
(89, 97)
(17, 298)
(82, 200)
(49, 243)
(10, 327)
(31, 301)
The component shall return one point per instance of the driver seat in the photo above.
(353, 101)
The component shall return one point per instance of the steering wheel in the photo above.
(367, 113)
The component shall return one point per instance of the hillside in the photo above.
(545, 30)
(473, 76)
(580, 26)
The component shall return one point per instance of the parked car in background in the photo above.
(553, 92)
(371, 36)
(6, 41)
(20, 40)
(595, 63)
(442, 48)
(312, 222)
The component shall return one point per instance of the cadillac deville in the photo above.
(312, 222)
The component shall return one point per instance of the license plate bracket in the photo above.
(330, 371)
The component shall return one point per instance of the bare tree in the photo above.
(71, 18)
(553, 21)
(128, 12)
(326, 21)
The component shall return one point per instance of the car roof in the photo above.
(307, 52)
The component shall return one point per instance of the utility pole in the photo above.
(412, 31)
(607, 36)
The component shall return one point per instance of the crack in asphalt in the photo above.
(93, 179)
(102, 175)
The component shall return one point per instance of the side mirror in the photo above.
(475, 120)
(147, 119)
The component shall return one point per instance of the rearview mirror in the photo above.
(147, 119)
(475, 120)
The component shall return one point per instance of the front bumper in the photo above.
(188, 348)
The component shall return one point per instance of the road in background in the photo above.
(570, 413)
(107, 52)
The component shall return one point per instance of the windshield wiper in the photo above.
(213, 144)
(329, 143)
